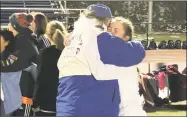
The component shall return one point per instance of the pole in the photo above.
(65, 7)
(150, 15)
(129, 4)
(147, 32)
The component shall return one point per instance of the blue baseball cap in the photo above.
(100, 10)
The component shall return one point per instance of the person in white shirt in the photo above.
(91, 65)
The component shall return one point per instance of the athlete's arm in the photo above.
(133, 54)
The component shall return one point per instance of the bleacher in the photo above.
(10, 7)
(38, 4)
(6, 13)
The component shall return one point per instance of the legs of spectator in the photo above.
(2, 112)
(25, 110)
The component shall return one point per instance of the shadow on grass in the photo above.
(177, 107)
(168, 108)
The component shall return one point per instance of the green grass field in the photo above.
(161, 36)
(170, 111)
(167, 112)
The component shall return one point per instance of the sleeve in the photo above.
(98, 69)
(103, 71)
(24, 54)
(43, 42)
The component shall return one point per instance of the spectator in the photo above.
(24, 51)
(22, 57)
(38, 26)
(10, 89)
(47, 69)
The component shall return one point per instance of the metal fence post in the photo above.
(147, 33)
(150, 15)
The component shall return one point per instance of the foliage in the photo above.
(168, 16)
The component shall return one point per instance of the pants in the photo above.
(2, 112)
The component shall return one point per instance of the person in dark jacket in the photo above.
(25, 51)
(47, 69)
(10, 90)
(38, 26)
(23, 56)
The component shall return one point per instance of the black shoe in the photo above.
(166, 101)
(149, 109)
